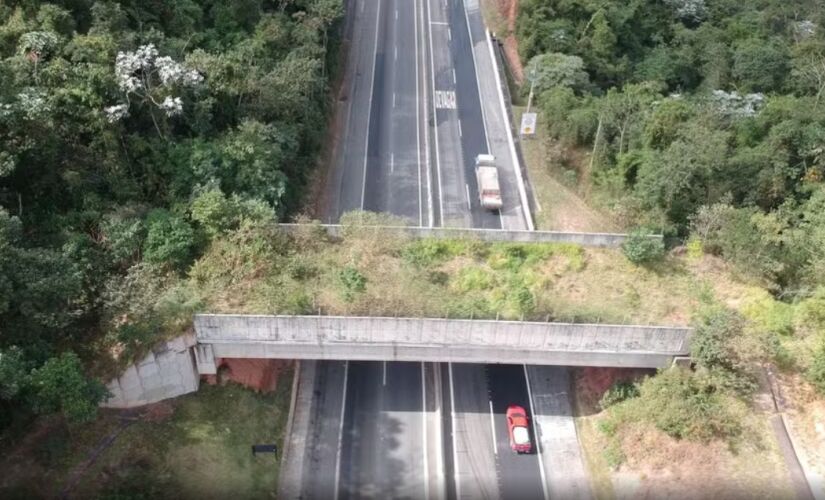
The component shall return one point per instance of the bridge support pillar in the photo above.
(205, 358)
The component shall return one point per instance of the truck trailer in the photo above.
(489, 192)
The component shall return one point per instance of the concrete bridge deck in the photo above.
(435, 340)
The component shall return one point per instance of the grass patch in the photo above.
(367, 273)
(201, 450)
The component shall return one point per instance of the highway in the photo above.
(412, 115)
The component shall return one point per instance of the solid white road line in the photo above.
(341, 433)
(452, 419)
(536, 435)
(420, 18)
(493, 429)
(435, 116)
(424, 443)
(439, 431)
(369, 106)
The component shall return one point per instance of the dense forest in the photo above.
(705, 119)
(131, 133)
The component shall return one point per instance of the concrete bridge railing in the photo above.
(517, 236)
(435, 340)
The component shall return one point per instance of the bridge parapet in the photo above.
(439, 340)
(490, 235)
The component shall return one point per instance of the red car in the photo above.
(517, 427)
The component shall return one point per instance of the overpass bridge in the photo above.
(434, 340)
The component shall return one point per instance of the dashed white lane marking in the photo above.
(467, 189)
(424, 433)
(392, 169)
(341, 434)
(493, 429)
(459, 129)
(454, 80)
(456, 474)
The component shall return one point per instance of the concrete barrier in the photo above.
(520, 236)
(438, 340)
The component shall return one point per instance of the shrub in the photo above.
(300, 268)
(811, 311)
(695, 249)
(14, 374)
(352, 282)
(523, 300)
(60, 386)
(512, 256)
(472, 278)
(213, 211)
(640, 248)
(714, 328)
(816, 371)
(170, 239)
(620, 391)
(429, 251)
(685, 405)
(613, 455)
(123, 238)
(769, 314)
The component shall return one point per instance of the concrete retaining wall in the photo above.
(523, 236)
(165, 373)
(437, 340)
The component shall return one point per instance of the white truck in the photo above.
(489, 193)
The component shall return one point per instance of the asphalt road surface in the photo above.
(411, 121)
(382, 454)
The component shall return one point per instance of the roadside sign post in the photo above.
(528, 124)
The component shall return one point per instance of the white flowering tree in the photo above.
(148, 79)
(688, 10)
(735, 105)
